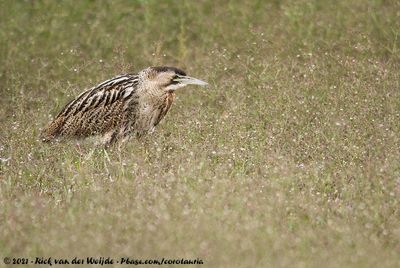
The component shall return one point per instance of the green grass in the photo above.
(289, 159)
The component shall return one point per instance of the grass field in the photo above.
(290, 158)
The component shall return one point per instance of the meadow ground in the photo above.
(289, 159)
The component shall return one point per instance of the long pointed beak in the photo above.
(187, 80)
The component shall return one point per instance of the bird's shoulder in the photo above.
(117, 88)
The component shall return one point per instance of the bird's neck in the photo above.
(150, 90)
(151, 94)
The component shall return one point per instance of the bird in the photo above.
(121, 107)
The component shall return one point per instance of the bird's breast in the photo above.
(169, 99)
(152, 110)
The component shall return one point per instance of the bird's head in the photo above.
(168, 78)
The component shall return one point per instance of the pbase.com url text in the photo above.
(50, 261)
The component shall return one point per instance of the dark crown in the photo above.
(168, 69)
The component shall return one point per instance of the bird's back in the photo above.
(96, 111)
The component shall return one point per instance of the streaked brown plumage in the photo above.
(117, 108)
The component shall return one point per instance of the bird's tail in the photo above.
(52, 131)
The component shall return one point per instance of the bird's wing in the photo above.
(90, 106)
(104, 94)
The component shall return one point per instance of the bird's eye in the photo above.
(174, 80)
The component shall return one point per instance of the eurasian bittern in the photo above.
(117, 108)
